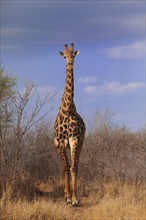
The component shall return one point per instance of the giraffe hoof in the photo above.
(75, 203)
(68, 201)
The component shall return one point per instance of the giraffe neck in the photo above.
(67, 105)
(69, 84)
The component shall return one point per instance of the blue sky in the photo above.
(110, 69)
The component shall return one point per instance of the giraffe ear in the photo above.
(77, 52)
(61, 53)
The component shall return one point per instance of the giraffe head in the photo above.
(69, 54)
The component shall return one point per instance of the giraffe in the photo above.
(69, 129)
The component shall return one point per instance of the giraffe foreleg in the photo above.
(75, 153)
(67, 176)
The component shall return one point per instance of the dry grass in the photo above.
(118, 201)
(37, 209)
(127, 204)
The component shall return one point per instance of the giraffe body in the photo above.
(69, 129)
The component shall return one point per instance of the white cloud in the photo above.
(113, 88)
(133, 51)
(87, 79)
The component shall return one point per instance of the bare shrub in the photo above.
(112, 153)
(27, 110)
(42, 161)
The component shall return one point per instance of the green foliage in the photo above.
(6, 84)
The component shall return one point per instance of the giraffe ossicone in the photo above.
(69, 128)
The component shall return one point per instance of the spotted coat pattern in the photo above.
(69, 128)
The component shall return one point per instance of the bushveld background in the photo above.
(111, 183)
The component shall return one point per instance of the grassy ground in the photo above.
(116, 201)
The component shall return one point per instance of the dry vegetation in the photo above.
(111, 172)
